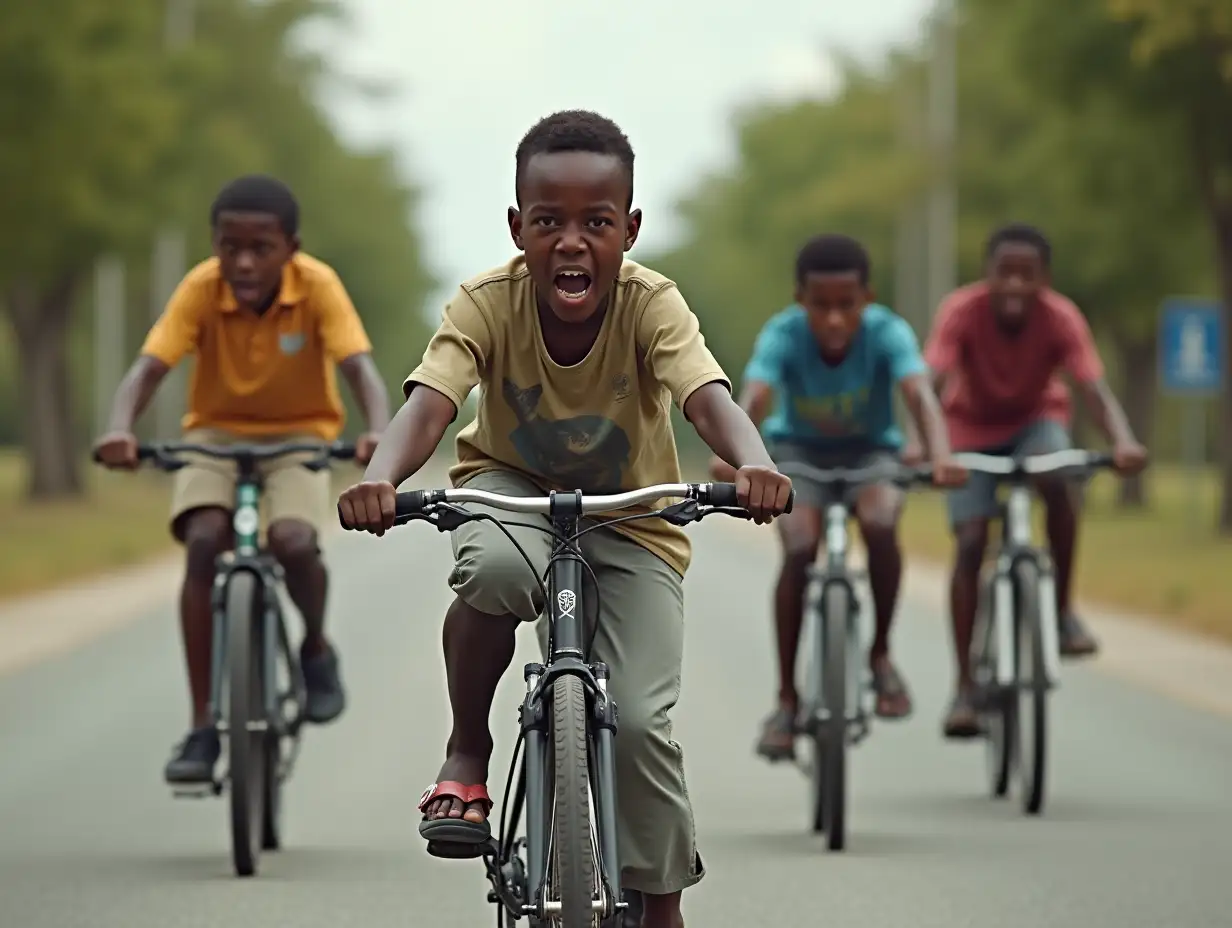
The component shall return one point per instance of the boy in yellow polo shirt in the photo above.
(267, 324)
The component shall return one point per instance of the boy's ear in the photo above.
(515, 227)
(633, 227)
(295, 243)
(870, 294)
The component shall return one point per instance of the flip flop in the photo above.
(888, 685)
(456, 838)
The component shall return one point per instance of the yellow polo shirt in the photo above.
(268, 374)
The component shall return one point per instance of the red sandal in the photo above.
(456, 837)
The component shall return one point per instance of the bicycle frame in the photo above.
(566, 656)
(248, 556)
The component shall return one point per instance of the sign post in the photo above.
(1192, 367)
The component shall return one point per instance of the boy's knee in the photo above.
(972, 538)
(293, 542)
(207, 534)
(497, 581)
(877, 513)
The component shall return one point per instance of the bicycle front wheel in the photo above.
(836, 615)
(572, 871)
(246, 712)
(1032, 688)
(999, 713)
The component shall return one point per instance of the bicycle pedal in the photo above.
(452, 850)
(196, 790)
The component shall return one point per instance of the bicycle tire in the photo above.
(271, 803)
(1032, 689)
(572, 865)
(837, 614)
(246, 703)
(1000, 714)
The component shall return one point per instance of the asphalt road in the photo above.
(1137, 833)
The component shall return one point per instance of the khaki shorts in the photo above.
(289, 491)
(640, 636)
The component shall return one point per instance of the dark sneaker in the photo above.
(1074, 639)
(778, 736)
(194, 758)
(326, 697)
(962, 721)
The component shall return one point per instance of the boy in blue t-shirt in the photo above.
(828, 365)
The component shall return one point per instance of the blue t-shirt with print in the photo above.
(835, 408)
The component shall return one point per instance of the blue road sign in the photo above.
(1191, 346)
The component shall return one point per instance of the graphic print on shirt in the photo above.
(842, 415)
(583, 452)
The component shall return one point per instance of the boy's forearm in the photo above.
(135, 391)
(755, 400)
(1107, 410)
(926, 420)
(369, 390)
(412, 437)
(725, 427)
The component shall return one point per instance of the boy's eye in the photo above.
(544, 221)
(600, 221)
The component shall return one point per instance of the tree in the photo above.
(86, 110)
(802, 168)
(1167, 61)
(117, 135)
(1089, 172)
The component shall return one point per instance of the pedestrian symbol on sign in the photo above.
(1193, 349)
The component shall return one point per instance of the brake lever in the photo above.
(734, 511)
(682, 513)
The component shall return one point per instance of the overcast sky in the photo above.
(473, 75)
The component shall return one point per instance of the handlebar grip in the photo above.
(410, 502)
(724, 495)
(342, 451)
(1101, 459)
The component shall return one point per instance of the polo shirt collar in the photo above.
(290, 291)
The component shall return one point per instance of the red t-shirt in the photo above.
(997, 383)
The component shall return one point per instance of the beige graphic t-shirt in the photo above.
(601, 425)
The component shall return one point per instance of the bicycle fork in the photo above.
(536, 783)
(1004, 612)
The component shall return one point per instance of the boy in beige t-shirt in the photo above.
(579, 355)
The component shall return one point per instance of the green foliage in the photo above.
(113, 134)
(1111, 183)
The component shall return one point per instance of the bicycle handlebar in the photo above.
(718, 495)
(889, 471)
(1020, 466)
(166, 455)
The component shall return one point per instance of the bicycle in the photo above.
(250, 639)
(1015, 651)
(836, 712)
(565, 870)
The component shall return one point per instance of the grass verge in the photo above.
(121, 520)
(1156, 562)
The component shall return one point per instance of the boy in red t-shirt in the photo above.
(996, 351)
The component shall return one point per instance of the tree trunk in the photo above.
(1223, 241)
(1139, 361)
(40, 322)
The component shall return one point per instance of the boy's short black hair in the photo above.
(832, 254)
(258, 193)
(1019, 233)
(574, 130)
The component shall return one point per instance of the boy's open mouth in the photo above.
(572, 286)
